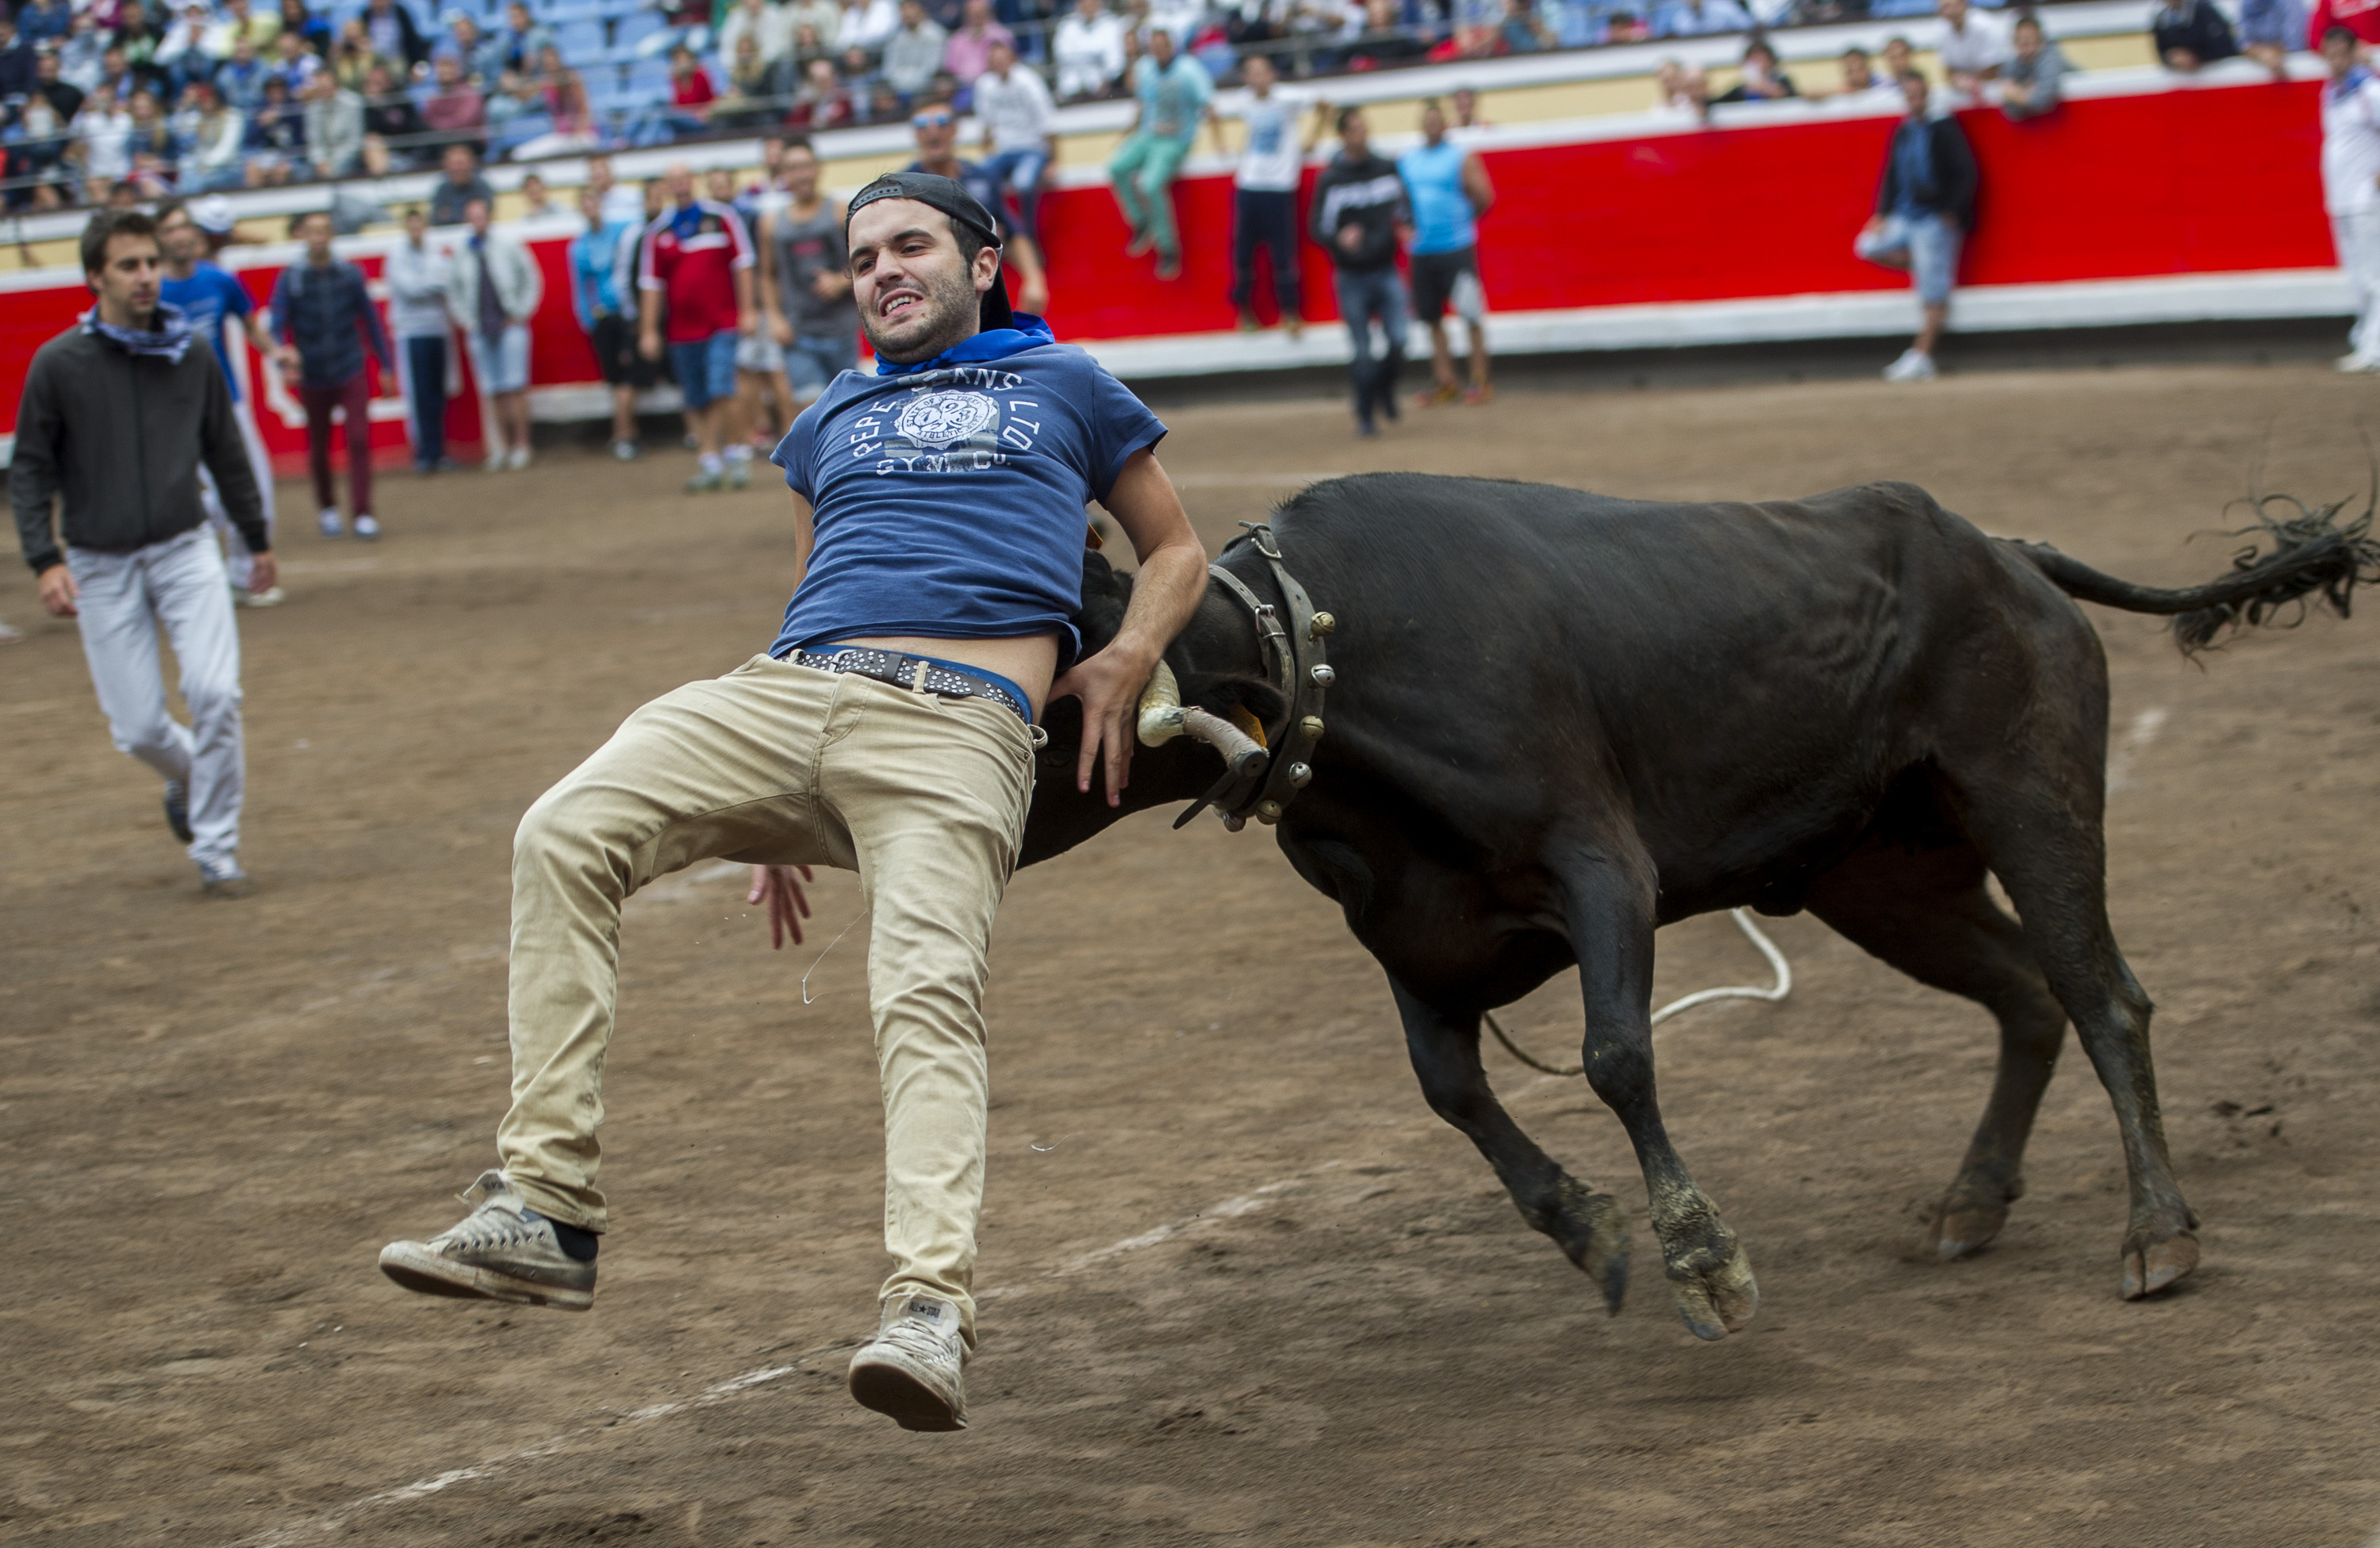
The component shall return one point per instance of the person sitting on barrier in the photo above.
(1175, 92)
(1763, 79)
(2269, 30)
(1925, 207)
(2189, 35)
(2037, 76)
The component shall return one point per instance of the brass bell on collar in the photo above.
(1267, 812)
(1312, 726)
(1300, 775)
(1320, 625)
(1324, 675)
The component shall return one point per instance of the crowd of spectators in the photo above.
(147, 98)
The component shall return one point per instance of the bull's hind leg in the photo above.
(1926, 912)
(2047, 850)
(1609, 907)
(1590, 1227)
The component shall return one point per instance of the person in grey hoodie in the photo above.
(118, 413)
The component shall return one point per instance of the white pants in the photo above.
(179, 582)
(236, 556)
(2357, 237)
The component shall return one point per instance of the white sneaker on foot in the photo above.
(496, 462)
(519, 459)
(272, 596)
(1914, 365)
(2357, 364)
(223, 878)
(627, 451)
(501, 1250)
(914, 1368)
(330, 523)
(366, 527)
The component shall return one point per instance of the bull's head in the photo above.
(1219, 682)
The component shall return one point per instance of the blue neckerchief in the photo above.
(686, 220)
(170, 339)
(2345, 85)
(1030, 333)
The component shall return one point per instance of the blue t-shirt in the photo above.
(1442, 211)
(210, 298)
(1912, 155)
(948, 496)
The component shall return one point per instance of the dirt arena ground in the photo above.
(1242, 1288)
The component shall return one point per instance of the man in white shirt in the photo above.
(418, 277)
(1974, 47)
(1017, 114)
(2351, 188)
(1264, 192)
(866, 24)
(1089, 51)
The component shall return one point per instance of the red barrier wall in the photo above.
(2198, 180)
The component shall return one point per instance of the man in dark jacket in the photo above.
(2192, 34)
(1358, 214)
(1925, 207)
(118, 412)
(324, 320)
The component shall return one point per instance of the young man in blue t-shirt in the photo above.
(213, 301)
(938, 531)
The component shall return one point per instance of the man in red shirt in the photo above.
(2359, 17)
(694, 279)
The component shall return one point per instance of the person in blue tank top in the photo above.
(1449, 190)
(216, 303)
(938, 539)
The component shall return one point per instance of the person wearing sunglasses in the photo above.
(937, 129)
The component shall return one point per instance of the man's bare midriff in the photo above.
(1030, 661)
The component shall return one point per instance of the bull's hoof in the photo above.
(1967, 1219)
(1716, 1293)
(2151, 1265)
(1593, 1231)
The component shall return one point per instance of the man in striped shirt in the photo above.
(694, 281)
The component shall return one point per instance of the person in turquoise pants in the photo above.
(1174, 91)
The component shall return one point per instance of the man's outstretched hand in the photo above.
(1108, 684)
(779, 886)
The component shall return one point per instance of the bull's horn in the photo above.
(1160, 708)
(1242, 754)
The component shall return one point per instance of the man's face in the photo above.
(127, 280)
(417, 227)
(1355, 135)
(721, 185)
(1912, 92)
(1161, 47)
(184, 243)
(801, 174)
(1857, 76)
(912, 13)
(2339, 54)
(458, 166)
(316, 234)
(1952, 11)
(937, 133)
(1258, 70)
(1896, 57)
(2028, 39)
(46, 69)
(475, 215)
(917, 296)
(466, 31)
(450, 72)
(1000, 60)
(677, 182)
(1433, 123)
(598, 174)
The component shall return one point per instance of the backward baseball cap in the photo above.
(950, 198)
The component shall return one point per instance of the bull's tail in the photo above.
(2315, 560)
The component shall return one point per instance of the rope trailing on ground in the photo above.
(1777, 991)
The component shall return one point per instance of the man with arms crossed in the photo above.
(694, 277)
(212, 303)
(937, 525)
(118, 414)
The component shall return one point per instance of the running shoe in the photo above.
(501, 1250)
(913, 1369)
(2357, 364)
(1480, 395)
(366, 527)
(627, 451)
(1431, 398)
(272, 596)
(705, 480)
(739, 473)
(1914, 365)
(9, 636)
(496, 462)
(519, 459)
(177, 810)
(223, 878)
(329, 522)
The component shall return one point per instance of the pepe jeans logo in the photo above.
(936, 420)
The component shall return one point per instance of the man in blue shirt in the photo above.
(938, 534)
(214, 303)
(1449, 190)
(1174, 91)
(605, 306)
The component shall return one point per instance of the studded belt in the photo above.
(892, 667)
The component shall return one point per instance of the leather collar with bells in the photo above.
(1301, 671)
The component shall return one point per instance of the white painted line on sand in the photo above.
(2144, 728)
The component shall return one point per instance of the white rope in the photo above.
(1777, 991)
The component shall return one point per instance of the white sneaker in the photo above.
(2357, 364)
(1914, 365)
(272, 596)
(497, 461)
(519, 458)
(912, 1369)
(9, 636)
(501, 1250)
(330, 522)
(366, 527)
(627, 451)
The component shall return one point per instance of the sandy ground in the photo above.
(1242, 1288)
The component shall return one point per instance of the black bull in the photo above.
(1562, 720)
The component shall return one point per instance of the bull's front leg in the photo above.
(1609, 908)
(1590, 1227)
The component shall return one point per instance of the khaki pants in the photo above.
(781, 764)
